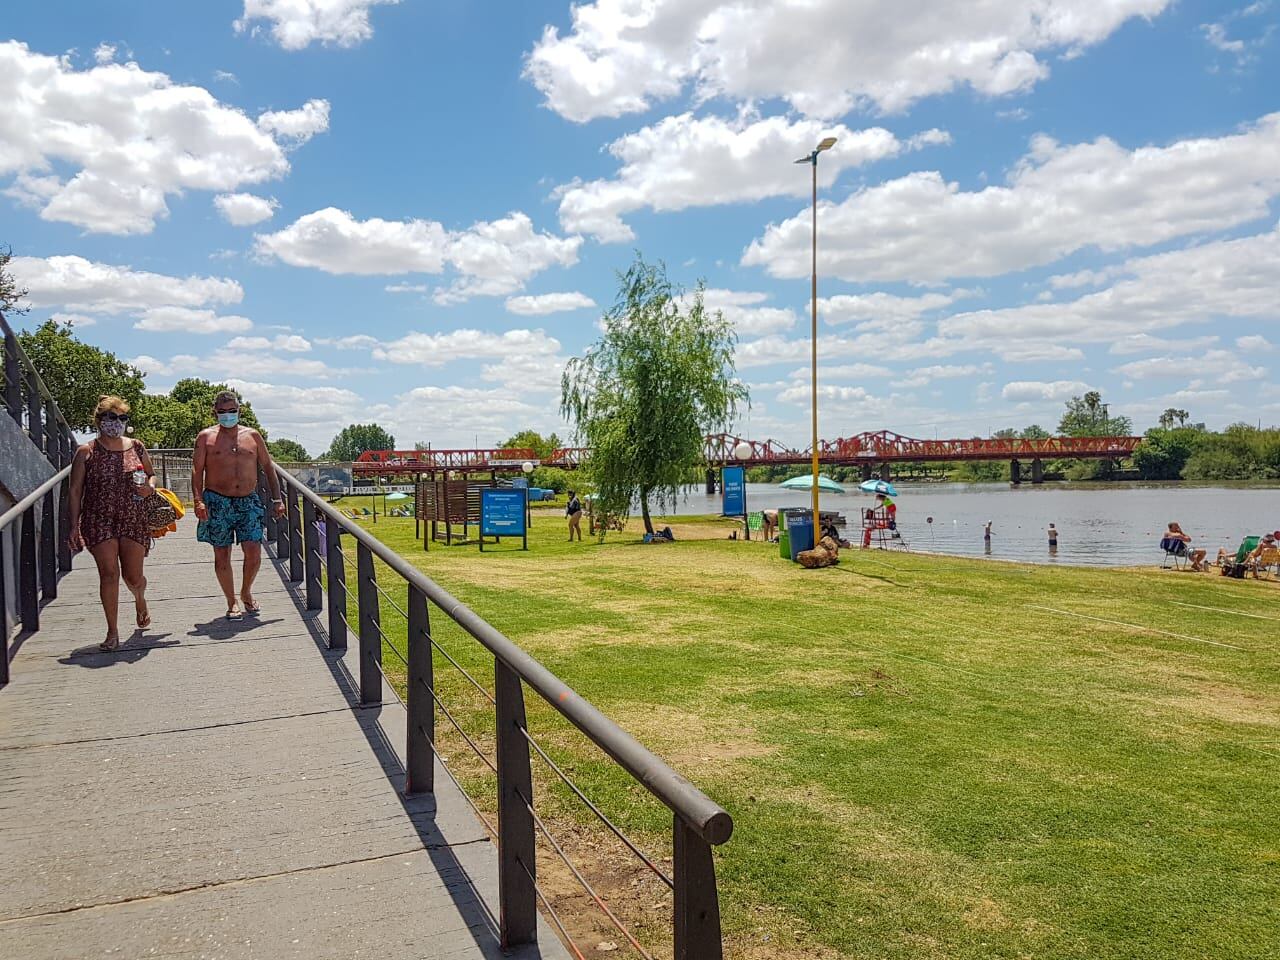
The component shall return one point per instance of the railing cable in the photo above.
(555, 917)
(449, 716)
(591, 892)
(597, 811)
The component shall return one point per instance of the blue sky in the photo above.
(413, 211)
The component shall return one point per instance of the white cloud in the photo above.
(1036, 391)
(462, 415)
(544, 303)
(288, 342)
(745, 310)
(151, 366)
(685, 161)
(845, 371)
(1222, 366)
(296, 24)
(243, 209)
(1059, 199)
(531, 374)
(1253, 344)
(406, 288)
(845, 308)
(80, 284)
(824, 56)
(312, 413)
(923, 376)
(226, 76)
(1146, 343)
(104, 53)
(187, 320)
(124, 138)
(1223, 279)
(492, 258)
(296, 126)
(438, 349)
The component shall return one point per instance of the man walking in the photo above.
(224, 482)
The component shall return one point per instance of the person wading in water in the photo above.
(224, 482)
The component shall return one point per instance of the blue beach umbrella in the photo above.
(878, 486)
(805, 482)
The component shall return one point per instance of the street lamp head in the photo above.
(742, 450)
(527, 466)
(808, 159)
(826, 144)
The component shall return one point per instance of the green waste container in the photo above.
(784, 545)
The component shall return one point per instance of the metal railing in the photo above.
(698, 823)
(41, 550)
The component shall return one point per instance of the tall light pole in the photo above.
(812, 159)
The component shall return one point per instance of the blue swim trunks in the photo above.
(231, 520)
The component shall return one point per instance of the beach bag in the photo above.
(1234, 570)
(164, 510)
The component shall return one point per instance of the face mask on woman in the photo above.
(111, 428)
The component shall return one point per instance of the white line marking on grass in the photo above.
(1133, 626)
(1235, 613)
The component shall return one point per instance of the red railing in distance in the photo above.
(883, 446)
(426, 461)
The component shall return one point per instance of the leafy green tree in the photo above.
(10, 293)
(77, 373)
(172, 421)
(644, 396)
(1172, 416)
(355, 439)
(1164, 452)
(1035, 432)
(532, 440)
(288, 451)
(1088, 416)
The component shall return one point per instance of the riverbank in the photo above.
(924, 756)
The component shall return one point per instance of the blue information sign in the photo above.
(734, 482)
(503, 513)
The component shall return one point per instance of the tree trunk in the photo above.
(644, 512)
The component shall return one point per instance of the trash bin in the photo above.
(799, 533)
(784, 545)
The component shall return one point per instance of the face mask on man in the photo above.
(228, 419)
(111, 428)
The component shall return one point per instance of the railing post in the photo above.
(420, 769)
(4, 615)
(283, 547)
(370, 627)
(336, 569)
(35, 428)
(64, 525)
(48, 548)
(517, 872)
(52, 446)
(28, 599)
(295, 538)
(311, 540)
(12, 377)
(697, 907)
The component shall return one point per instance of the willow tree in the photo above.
(643, 397)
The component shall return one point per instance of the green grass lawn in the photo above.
(925, 757)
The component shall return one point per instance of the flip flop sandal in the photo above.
(109, 645)
(235, 614)
(252, 609)
(144, 620)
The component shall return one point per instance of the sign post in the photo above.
(504, 513)
(733, 484)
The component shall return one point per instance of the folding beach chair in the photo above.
(1175, 550)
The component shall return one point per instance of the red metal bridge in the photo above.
(869, 449)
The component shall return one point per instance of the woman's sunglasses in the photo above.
(122, 417)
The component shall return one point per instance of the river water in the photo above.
(1102, 524)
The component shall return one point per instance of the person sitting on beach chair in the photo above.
(1176, 543)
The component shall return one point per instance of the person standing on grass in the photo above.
(573, 510)
(224, 486)
(111, 477)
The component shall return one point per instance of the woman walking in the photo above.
(111, 477)
(573, 510)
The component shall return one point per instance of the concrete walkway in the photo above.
(212, 791)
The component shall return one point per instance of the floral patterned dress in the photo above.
(110, 510)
